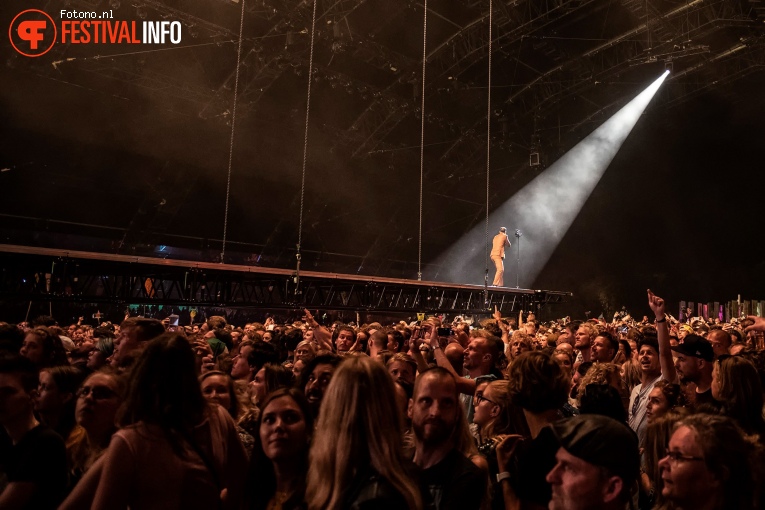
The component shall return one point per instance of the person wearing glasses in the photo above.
(496, 417)
(709, 465)
(98, 400)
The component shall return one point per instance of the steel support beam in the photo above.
(63, 276)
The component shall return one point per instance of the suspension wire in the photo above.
(298, 255)
(422, 133)
(231, 141)
(488, 160)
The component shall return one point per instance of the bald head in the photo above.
(721, 342)
(455, 354)
(436, 375)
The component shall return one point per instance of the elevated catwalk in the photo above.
(44, 274)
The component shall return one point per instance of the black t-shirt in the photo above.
(533, 460)
(370, 491)
(39, 458)
(454, 483)
(705, 398)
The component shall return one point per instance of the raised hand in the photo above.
(657, 304)
(759, 324)
(506, 449)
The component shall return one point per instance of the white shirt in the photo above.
(637, 408)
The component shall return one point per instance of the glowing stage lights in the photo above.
(547, 206)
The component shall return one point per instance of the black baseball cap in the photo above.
(696, 347)
(601, 441)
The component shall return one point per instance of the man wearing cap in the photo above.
(683, 331)
(694, 363)
(597, 464)
(498, 255)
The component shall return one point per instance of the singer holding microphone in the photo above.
(498, 255)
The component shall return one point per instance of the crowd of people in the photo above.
(508, 413)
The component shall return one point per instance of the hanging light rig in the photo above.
(298, 255)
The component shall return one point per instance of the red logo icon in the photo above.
(32, 33)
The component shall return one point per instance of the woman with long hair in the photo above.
(657, 437)
(174, 450)
(495, 415)
(57, 397)
(218, 388)
(44, 348)
(280, 457)
(269, 378)
(664, 397)
(565, 359)
(305, 350)
(98, 401)
(496, 418)
(363, 463)
(736, 384)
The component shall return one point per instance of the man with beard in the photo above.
(316, 377)
(583, 342)
(449, 479)
(480, 359)
(345, 338)
(694, 364)
(604, 348)
(596, 464)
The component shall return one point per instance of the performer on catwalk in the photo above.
(498, 255)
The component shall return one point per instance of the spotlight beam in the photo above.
(546, 207)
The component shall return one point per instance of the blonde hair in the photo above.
(592, 331)
(599, 373)
(657, 435)
(525, 338)
(510, 419)
(360, 413)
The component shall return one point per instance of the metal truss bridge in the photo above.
(53, 275)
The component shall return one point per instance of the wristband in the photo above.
(663, 319)
(503, 476)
